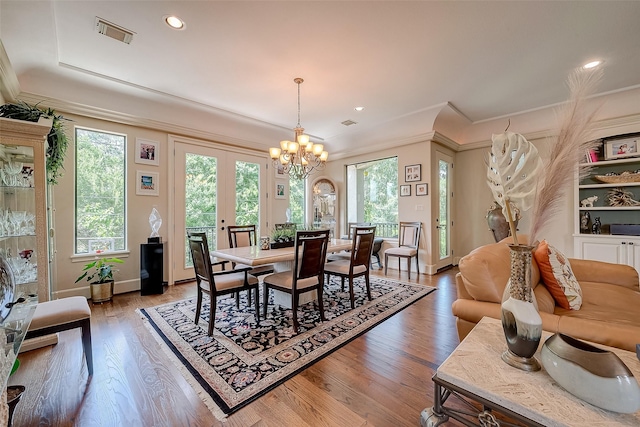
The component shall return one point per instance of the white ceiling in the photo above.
(236, 60)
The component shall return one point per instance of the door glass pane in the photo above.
(443, 202)
(296, 201)
(200, 198)
(248, 194)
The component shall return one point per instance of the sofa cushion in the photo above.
(558, 277)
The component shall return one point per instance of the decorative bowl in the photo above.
(590, 373)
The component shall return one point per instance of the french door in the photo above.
(443, 191)
(213, 188)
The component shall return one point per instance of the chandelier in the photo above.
(299, 157)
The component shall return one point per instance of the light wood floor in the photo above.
(382, 378)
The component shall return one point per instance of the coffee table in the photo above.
(475, 372)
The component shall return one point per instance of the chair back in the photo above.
(201, 258)
(311, 251)
(362, 246)
(352, 225)
(409, 234)
(242, 235)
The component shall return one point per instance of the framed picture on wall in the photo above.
(422, 189)
(405, 190)
(147, 152)
(412, 173)
(281, 190)
(147, 183)
(279, 169)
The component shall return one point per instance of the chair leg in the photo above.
(212, 314)
(321, 303)
(386, 263)
(409, 267)
(86, 344)
(366, 281)
(341, 283)
(417, 265)
(257, 300)
(265, 300)
(351, 296)
(294, 311)
(198, 305)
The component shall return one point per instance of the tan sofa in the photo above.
(610, 312)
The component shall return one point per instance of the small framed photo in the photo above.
(147, 152)
(281, 190)
(619, 148)
(147, 183)
(412, 173)
(405, 190)
(422, 189)
(279, 169)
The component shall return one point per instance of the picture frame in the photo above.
(412, 173)
(279, 171)
(422, 189)
(147, 152)
(281, 190)
(405, 190)
(147, 183)
(621, 148)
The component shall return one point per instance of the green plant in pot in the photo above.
(99, 274)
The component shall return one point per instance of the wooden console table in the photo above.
(475, 372)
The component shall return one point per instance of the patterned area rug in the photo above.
(244, 360)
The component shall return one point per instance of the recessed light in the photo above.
(592, 64)
(175, 22)
(359, 108)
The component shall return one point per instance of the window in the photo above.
(296, 200)
(100, 191)
(372, 195)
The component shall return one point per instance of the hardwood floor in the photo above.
(382, 378)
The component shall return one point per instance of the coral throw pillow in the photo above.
(558, 277)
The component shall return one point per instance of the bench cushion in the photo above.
(59, 312)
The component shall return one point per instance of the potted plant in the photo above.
(283, 238)
(99, 274)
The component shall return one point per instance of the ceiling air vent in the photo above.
(114, 31)
(349, 122)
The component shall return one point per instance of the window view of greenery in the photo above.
(296, 201)
(200, 199)
(372, 195)
(248, 194)
(443, 182)
(100, 191)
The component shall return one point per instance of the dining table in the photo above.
(281, 258)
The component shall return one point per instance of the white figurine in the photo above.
(588, 202)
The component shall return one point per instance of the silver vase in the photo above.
(521, 320)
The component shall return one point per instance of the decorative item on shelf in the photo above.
(588, 202)
(596, 228)
(590, 373)
(497, 222)
(155, 221)
(622, 178)
(585, 222)
(265, 243)
(619, 197)
(57, 141)
(300, 157)
(101, 278)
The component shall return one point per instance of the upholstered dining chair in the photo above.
(217, 283)
(245, 235)
(307, 274)
(408, 242)
(214, 261)
(359, 263)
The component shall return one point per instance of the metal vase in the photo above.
(521, 320)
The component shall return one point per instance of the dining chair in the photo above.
(219, 282)
(246, 235)
(408, 242)
(214, 261)
(307, 274)
(359, 263)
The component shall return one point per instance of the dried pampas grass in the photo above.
(572, 142)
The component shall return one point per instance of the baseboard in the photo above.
(39, 342)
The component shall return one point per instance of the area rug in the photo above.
(244, 360)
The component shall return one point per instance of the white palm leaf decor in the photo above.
(512, 174)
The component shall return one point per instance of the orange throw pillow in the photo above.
(558, 277)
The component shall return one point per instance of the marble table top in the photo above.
(253, 255)
(476, 366)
